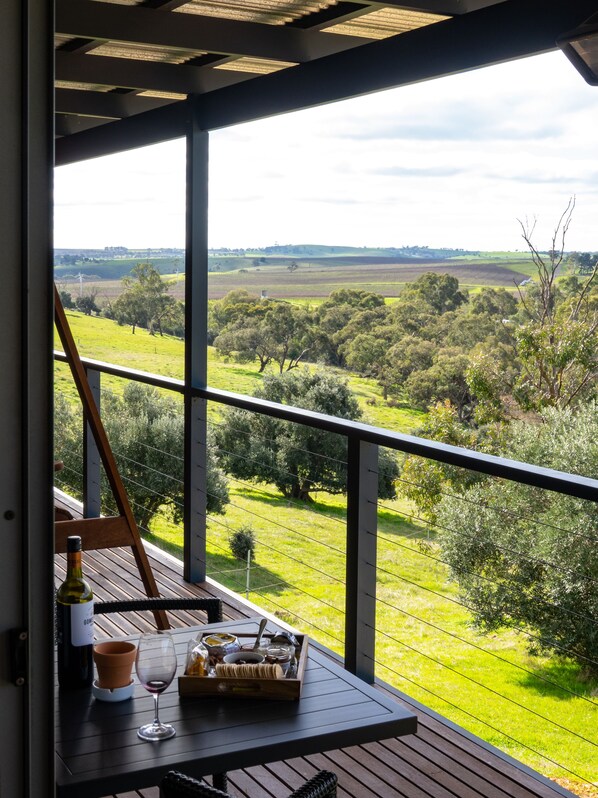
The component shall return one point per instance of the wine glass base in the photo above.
(156, 731)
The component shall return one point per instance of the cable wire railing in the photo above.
(425, 553)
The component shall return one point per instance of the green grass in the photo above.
(425, 635)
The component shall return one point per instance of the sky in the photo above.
(453, 162)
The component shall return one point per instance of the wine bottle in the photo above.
(74, 623)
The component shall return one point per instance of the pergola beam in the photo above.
(449, 8)
(503, 32)
(162, 124)
(110, 22)
(144, 75)
(68, 124)
(105, 104)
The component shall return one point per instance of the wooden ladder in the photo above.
(107, 531)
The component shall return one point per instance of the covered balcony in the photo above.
(355, 596)
(127, 75)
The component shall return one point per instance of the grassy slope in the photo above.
(301, 572)
(102, 339)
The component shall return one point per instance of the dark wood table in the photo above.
(98, 751)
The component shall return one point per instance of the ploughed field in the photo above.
(316, 278)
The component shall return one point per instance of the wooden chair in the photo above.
(177, 785)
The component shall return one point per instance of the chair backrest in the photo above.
(178, 785)
(211, 606)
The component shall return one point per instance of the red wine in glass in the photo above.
(156, 667)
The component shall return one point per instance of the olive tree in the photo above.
(296, 458)
(527, 558)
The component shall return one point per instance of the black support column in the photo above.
(196, 363)
(26, 465)
(362, 517)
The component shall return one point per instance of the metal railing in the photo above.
(371, 615)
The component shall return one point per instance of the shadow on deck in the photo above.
(440, 761)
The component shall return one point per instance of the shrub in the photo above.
(242, 541)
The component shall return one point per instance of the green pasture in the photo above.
(115, 268)
(497, 255)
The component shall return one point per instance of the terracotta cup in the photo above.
(114, 661)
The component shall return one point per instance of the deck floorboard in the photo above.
(441, 761)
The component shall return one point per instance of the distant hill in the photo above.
(113, 263)
(325, 251)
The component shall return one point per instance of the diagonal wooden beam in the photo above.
(144, 75)
(116, 529)
(90, 19)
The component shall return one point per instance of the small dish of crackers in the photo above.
(251, 674)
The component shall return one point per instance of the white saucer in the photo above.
(117, 694)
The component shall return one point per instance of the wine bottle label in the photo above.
(82, 624)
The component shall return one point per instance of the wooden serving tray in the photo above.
(284, 689)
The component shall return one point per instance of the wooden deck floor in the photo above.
(440, 761)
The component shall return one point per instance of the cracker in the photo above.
(249, 671)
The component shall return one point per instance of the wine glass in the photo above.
(156, 666)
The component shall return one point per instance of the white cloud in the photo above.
(452, 162)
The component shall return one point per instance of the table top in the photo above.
(98, 751)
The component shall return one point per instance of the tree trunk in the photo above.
(300, 491)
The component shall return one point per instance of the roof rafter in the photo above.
(161, 124)
(67, 124)
(449, 8)
(143, 75)
(109, 105)
(469, 41)
(89, 19)
(508, 30)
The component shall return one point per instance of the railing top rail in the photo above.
(525, 473)
(169, 383)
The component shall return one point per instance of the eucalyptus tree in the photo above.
(249, 328)
(535, 572)
(554, 361)
(145, 301)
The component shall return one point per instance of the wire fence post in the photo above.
(362, 516)
(248, 572)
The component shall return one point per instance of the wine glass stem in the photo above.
(156, 718)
